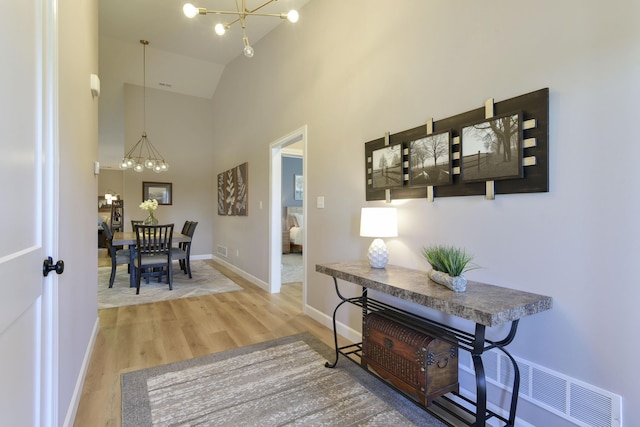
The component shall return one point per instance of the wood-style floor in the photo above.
(141, 336)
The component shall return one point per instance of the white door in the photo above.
(25, 171)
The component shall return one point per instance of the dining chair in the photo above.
(118, 256)
(183, 251)
(153, 253)
(134, 223)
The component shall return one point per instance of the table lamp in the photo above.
(378, 223)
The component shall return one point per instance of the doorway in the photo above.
(278, 149)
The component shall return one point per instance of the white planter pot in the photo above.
(456, 284)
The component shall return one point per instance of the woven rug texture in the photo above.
(206, 280)
(280, 382)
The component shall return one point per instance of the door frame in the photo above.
(49, 381)
(275, 209)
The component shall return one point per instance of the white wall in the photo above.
(78, 141)
(386, 66)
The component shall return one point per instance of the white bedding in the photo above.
(295, 235)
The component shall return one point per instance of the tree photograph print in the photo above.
(430, 160)
(387, 167)
(492, 149)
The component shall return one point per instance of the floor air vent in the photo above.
(222, 251)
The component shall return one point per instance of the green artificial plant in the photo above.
(449, 259)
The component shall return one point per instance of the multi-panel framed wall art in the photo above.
(233, 191)
(501, 148)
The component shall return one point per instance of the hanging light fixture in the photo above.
(144, 154)
(191, 11)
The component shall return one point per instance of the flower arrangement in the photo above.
(149, 205)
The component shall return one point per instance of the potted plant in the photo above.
(448, 265)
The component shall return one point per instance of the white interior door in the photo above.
(24, 397)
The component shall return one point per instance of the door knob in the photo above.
(48, 266)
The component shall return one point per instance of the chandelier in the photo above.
(144, 154)
(191, 11)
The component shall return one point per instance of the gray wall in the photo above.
(75, 294)
(179, 126)
(380, 66)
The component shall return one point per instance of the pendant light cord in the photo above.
(144, 85)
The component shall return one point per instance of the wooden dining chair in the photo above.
(153, 253)
(183, 251)
(118, 256)
(134, 223)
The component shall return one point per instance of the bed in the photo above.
(294, 224)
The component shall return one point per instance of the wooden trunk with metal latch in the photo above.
(411, 360)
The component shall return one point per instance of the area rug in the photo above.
(291, 268)
(276, 383)
(206, 280)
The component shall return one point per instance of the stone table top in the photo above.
(482, 303)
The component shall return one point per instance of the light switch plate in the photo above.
(320, 202)
(95, 85)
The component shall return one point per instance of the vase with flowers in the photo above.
(150, 206)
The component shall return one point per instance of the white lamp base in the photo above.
(378, 254)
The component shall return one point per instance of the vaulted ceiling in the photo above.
(184, 55)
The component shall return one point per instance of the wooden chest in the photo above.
(411, 360)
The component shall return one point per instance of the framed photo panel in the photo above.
(242, 190)
(298, 185)
(386, 167)
(222, 209)
(430, 160)
(233, 191)
(161, 191)
(492, 149)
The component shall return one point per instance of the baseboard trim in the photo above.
(253, 279)
(77, 390)
(326, 320)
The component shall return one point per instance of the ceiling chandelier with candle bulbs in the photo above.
(242, 13)
(144, 155)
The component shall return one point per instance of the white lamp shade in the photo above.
(379, 222)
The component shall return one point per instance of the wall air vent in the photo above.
(583, 404)
(222, 251)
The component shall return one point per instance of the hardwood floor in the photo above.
(146, 335)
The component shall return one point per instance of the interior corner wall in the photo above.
(381, 66)
(179, 127)
(76, 150)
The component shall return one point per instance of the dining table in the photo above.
(128, 238)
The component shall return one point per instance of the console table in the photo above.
(485, 305)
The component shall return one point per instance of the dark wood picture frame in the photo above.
(161, 191)
(533, 106)
(430, 160)
(233, 191)
(492, 149)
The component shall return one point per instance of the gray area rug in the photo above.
(280, 382)
(206, 280)
(291, 268)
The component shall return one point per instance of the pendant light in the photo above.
(144, 155)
